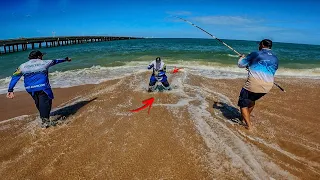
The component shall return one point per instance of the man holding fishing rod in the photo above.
(262, 66)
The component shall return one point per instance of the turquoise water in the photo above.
(117, 53)
(295, 59)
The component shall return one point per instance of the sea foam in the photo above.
(98, 74)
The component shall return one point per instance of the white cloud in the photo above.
(238, 25)
(179, 13)
(225, 20)
(261, 28)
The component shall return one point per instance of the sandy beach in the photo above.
(192, 132)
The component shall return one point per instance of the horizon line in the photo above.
(152, 37)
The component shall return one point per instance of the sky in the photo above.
(279, 20)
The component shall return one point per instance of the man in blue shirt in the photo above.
(262, 66)
(36, 83)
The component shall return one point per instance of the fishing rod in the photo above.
(210, 35)
(222, 43)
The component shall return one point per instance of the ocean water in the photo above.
(96, 62)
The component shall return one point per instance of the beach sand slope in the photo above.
(192, 132)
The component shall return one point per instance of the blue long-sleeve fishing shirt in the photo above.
(35, 73)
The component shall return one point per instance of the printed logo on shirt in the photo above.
(35, 86)
(269, 65)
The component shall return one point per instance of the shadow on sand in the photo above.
(65, 112)
(229, 112)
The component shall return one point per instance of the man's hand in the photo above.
(68, 59)
(242, 56)
(10, 95)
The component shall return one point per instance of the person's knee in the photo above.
(252, 103)
(166, 84)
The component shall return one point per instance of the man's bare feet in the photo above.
(249, 127)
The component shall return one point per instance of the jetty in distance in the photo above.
(22, 44)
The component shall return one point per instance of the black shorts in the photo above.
(246, 98)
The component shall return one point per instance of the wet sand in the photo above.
(190, 133)
(23, 104)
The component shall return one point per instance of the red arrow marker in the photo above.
(175, 70)
(146, 103)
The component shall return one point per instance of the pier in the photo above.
(23, 44)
